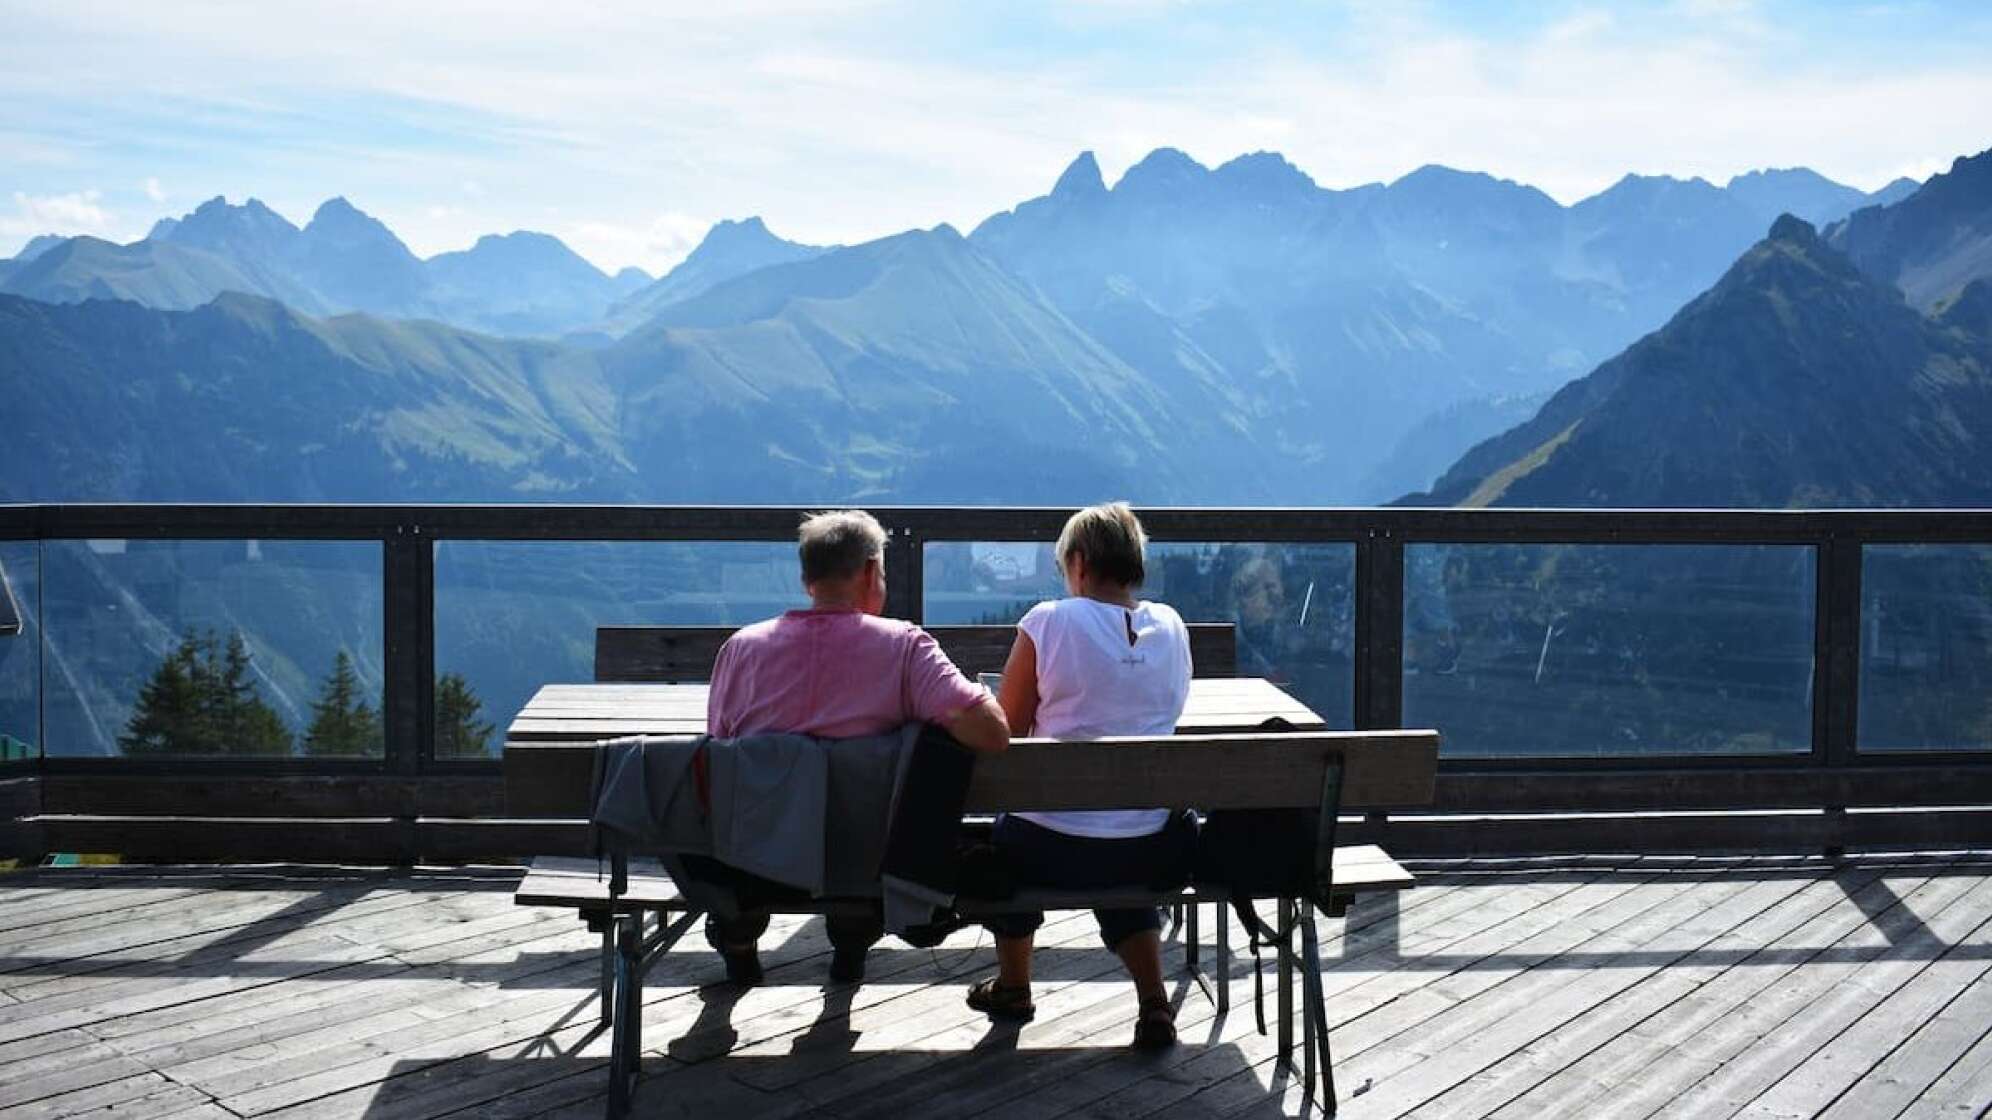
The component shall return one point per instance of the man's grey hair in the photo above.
(836, 543)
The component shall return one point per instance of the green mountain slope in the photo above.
(909, 369)
(245, 399)
(910, 366)
(1798, 380)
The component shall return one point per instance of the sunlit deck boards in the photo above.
(1600, 987)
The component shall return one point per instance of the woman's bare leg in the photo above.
(1142, 954)
(1013, 961)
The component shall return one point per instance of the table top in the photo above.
(563, 713)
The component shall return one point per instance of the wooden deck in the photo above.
(1583, 988)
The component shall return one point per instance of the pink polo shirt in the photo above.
(836, 674)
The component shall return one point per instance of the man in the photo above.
(836, 671)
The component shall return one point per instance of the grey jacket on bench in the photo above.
(804, 812)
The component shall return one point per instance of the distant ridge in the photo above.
(1932, 243)
(729, 249)
(1797, 380)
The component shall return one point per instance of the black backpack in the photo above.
(1270, 853)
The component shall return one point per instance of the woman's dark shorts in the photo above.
(1049, 859)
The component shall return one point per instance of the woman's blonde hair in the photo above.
(1111, 541)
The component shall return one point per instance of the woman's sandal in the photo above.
(1156, 1028)
(1000, 1002)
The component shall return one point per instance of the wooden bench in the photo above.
(1329, 771)
(674, 654)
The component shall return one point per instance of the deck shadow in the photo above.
(997, 1070)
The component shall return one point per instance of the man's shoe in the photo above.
(743, 966)
(847, 966)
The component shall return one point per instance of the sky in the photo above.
(627, 129)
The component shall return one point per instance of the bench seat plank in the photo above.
(583, 884)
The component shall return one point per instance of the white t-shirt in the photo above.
(1107, 670)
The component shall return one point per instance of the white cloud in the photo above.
(654, 246)
(153, 190)
(845, 122)
(64, 214)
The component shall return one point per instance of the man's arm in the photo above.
(937, 692)
(980, 727)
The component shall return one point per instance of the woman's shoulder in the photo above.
(1162, 613)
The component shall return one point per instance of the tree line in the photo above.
(202, 700)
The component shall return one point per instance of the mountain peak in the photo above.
(337, 209)
(1794, 231)
(37, 245)
(1081, 179)
(730, 234)
(1163, 167)
(1790, 175)
(1265, 173)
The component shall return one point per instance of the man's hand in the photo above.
(981, 727)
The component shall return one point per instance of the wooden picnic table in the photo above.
(570, 713)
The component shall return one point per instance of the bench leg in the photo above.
(1285, 920)
(1223, 958)
(608, 984)
(626, 1034)
(1316, 1012)
(1190, 934)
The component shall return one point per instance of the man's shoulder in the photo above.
(755, 633)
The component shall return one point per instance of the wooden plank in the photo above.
(453, 795)
(686, 653)
(1918, 1063)
(1370, 972)
(1786, 832)
(1491, 1030)
(1850, 1060)
(1383, 768)
(1965, 1088)
(1060, 1057)
(1463, 789)
(1726, 1018)
(571, 711)
(568, 882)
(1575, 1072)
(1807, 1017)
(1370, 1013)
(1556, 1053)
(193, 839)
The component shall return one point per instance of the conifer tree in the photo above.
(459, 733)
(342, 723)
(201, 700)
(170, 708)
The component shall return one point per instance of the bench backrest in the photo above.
(680, 654)
(1261, 770)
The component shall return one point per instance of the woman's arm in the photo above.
(1020, 689)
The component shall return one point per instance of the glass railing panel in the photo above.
(1610, 650)
(20, 650)
(1293, 604)
(234, 648)
(1925, 648)
(511, 616)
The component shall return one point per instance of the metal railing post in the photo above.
(409, 632)
(1836, 679)
(1379, 668)
(905, 573)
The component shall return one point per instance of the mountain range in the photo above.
(343, 260)
(1852, 368)
(1302, 345)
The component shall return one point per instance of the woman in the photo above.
(1098, 663)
